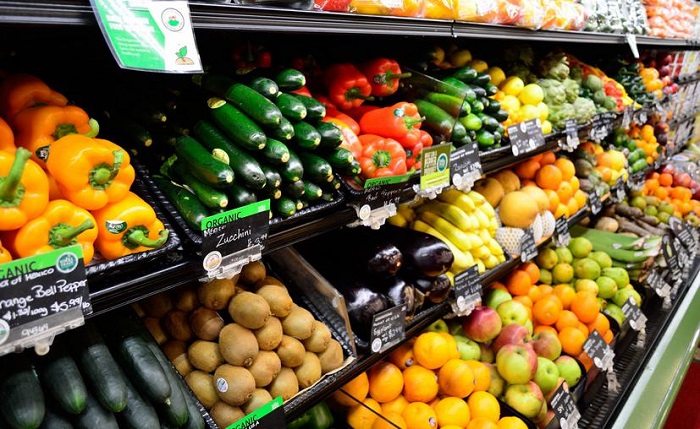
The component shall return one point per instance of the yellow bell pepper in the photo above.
(24, 189)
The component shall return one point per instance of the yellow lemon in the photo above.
(510, 103)
(478, 65)
(544, 111)
(531, 94)
(546, 127)
(497, 75)
(528, 111)
(512, 86)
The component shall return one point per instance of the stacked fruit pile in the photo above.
(668, 194)
(523, 102)
(599, 169)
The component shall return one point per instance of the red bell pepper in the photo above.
(400, 121)
(357, 113)
(381, 157)
(247, 57)
(425, 139)
(347, 86)
(413, 155)
(302, 91)
(384, 75)
(350, 140)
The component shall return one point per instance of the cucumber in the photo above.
(61, 379)
(488, 123)
(459, 132)
(312, 191)
(294, 189)
(208, 196)
(143, 369)
(240, 196)
(22, 402)
(176, 412)
(500, 116)
(331, 135)
(275, 152)
(291, 107)
(265, 87)
(328, 197)
(457, 88)
(239, 127)
(292, 170)
(305, 136)
(202, 164)
(139, 413)
(53, 420)
(186, 203)
(316, 168)
(100, 371)
(195, 420)
(436, 119)
(455, 106)
(95, 416)
(491, 89)
(315, 110)
(351, 170)
(465, 74)
(482, 79)
(330, 187)
(340, 158)
(284, 131)
(479, 91)
(272, 176)
(134, 134)
(253, 104)
(285, 206)
(290, 79)
(244, 166)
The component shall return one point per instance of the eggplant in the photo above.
(435, 289)
(399, 292)
(422, 253)
(363, 303)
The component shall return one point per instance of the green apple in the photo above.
(497, 382)
(621, 296)
(602, 258)
(547, 374)
(497, 296)
(580, 247)
(606, 287)
(512, 312)
(547, 345)
(564, 255)
(468, 349)
(528, 325)
(526, 398)
(438, 326)
(615, 312)
(487, 353)
(569, 370)
(517, 363)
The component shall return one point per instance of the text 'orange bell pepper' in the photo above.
(128, 226)
(24, 189)
(90, 173)
(22, 91)
(381, 157)
(7, 137)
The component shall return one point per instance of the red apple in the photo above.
(681, 179)
(547, 344)
(526, 398)
(517, 363)
(482, 325)
(511, 334)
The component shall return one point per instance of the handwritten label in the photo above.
(561, 232)
(656, 281)
(467, 291)
(388, 328)
(633, 315)
(564, 407)
(670, 255)
(594, 202)
(572, 139)
(528, 247)
(617, 192)
(435, 166)
(602, 126)
(598, 350)
(269, 416)
(465, 166)
(526, 136)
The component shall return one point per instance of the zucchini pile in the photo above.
(86, 382)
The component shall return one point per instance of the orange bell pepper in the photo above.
(24, 189)
(20, 91)
(350, 140)
(90, 173)
(381, 157)
(5, 256)
(7, 137)
(128, 226)
(62, 224)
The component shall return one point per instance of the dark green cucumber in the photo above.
(479, 91)
(292, 170)
(305, 136)
(265, 87)
(316, 168)
(290, 79)
(61, 379)
(331, 135)
(240, 196)
(195, 421)
(202, 163)
(271, 193)
(455, 106)
(312, 191)
(245, 167)
(436, 119)
(481, 79)
(284, 131)
(465, 74)
(254, 104)
(285, 206)
(340, 158)
(239, 127)
(22, 402)
(291, 107)
(100, 371)
(186, 203)
(457, 88)
(272, 176)
(459, 132)
(143, 369)
(135, 135)
(139, 413)
(207, 195)
(332, 186)
(95, 416)
(176, 412)
(53, 420)
(275, 152)
(294, 189)
(328, 197)
(315, 110)
(488, 122)
(302, 204)
(351, 170)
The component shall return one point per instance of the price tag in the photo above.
(467, 291)
(641, 116)
(617, 192)
(435, 167)
(564, 407)
(670, 256)
(657, 282)
(572, 140)
(627, 117)
(40, 297)
(633, 315)
(594, 202)
(598, 350)
(378, 200)
(465, 166)
(528, 247)
(526, 136)
(234, 238)
(269, 416)
(561, 232)
(388, 328)
(149, 34)
(683, 232)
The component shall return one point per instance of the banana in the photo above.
(488, 210)
(449, 212)
(451, 277)
(398, 220)
(460, 58)
(457, 198)
(476, 197)
(482, 266)
(457, 237)
(501, 258)
(484, 220)
(481, 252)
(475, 240)
(461, 262)
(406, 212)
(491, 261)
(484, 235)
(494, 247)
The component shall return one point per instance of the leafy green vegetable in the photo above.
(554, 92)
(571, 88)
(584, 109)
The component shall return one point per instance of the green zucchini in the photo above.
(275, 152)
(290, 80)
(95, 416)
(244, 166)
(465, 74)
(143, 369)
(139, 413)
(208, 196)
(292, 170)
(240, 196)
(294, 189)
(284, 131)
(312, 191)
(176, 412)
(195, 421)
(186, 203)
(272, 176)
(266, 87)
(330, 186)
(331, 135)
(285, 206)
(457, 88)
(340, 158)
(61, 379)
(302, 204)
(351, 170)
(455, 106)
(328, 197)
(315, 110)
(254, 104)
(305, 136)
(135, 135)
(202, 163)
(53, 420)
(482, 79)
(239, 127)
(436, 119)
(271, 193)
(291, 107)
(316, 168)
(22, 402)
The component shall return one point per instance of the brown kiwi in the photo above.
(249, 310)
(284, 385)
(216, 294)
(253, 273)
(299, 323)
(332, 357)
(319, 339)
(238, 345)
(153, 326)
(225, 415)
(269, 281)
(202, 384)
(291, 352)
(176, 325)
(176, 351)
(186, 299)
(265, 368)
(234, 384)
(205, 355)
(277, 298)
(206, 324)
(270, 335)
(259, 398)
(157, 305)
(309, 372)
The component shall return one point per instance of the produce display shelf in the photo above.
(551, 143)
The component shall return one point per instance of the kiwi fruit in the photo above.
(249, 310)
(176, 352)
(157, 305)
(202, 385)
(238, 345)
(332, 357)
(270, 335)
(299, 323)
(291, 352)
(309, 372)
(206, 324)
(177, 326)
(277, 298)
(319, 339)
(253, 273)
(153, 326)
(259, 398)
(186, 299)
(269, 281)
(234, 384)
(265, 368)
(225, 415)
(284, 385)
(216, 294)
(205, 355)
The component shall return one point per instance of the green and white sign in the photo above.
(435, 168)
(269, 416)
(149, 35)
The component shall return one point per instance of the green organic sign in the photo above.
(435, 168)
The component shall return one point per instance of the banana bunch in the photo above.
(466, 222)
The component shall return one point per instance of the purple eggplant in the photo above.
(422, 253)
(434, 289)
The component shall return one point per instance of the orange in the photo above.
(553, 200)
(403, 356)
(498, 285)
(580, 198)
(661, 193)
(484, 404)
(527, 169)
(527, 182)
(456, 378)
(600, 324)
(431, 350)
(573, 206)
(482, 375)
(565, 293)
(419, 415)
(395, 406)
(651, 185)
(546, 310)
(524, 299)
(481, 423)
(532, 270)
(567, 168)
(362, 416)
(548, 177)
(534, 293)
(565, 192)
(383, 422)
(452, 411)
(385, 382)
(546, 289)
(566, 319)
(583, 328)
(585, 306)
(358, 388)
(541, 328)
(419, 384)
(518, 282)
(665, 179)
(571, 340)
(608, 336)
(452, 343)
(575, 183)
(548, 158)
(511, 422)
(562, 210)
